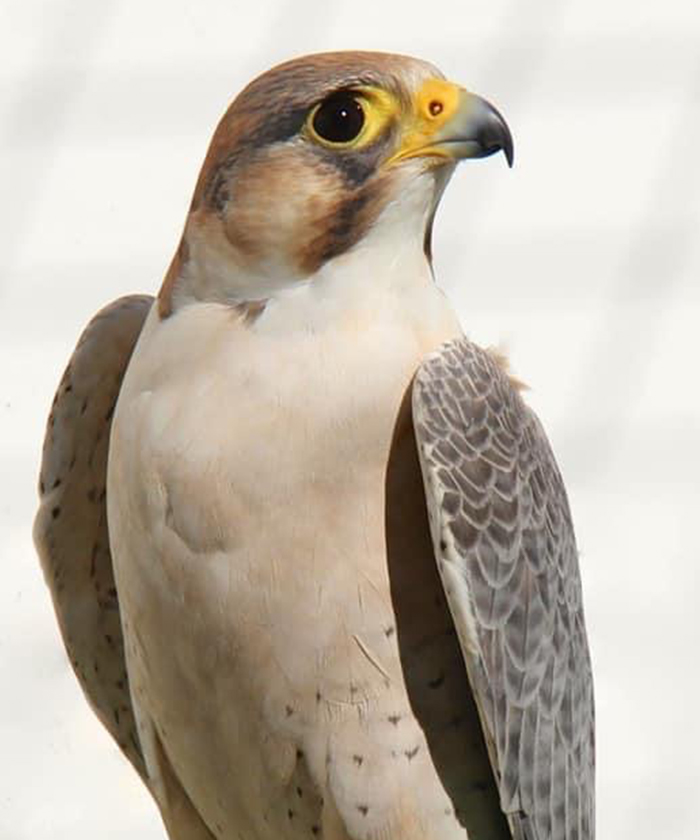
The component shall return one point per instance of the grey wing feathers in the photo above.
(70, 530)
(506, 553)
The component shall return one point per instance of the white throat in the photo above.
(386, 270)
(387, 266)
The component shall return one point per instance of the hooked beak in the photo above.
(452, 123)
(476, 130)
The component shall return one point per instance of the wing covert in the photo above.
(70, 529)
(506, 554)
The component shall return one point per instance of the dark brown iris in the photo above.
(339, 119)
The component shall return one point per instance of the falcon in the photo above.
(310, 552)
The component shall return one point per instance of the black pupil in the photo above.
(339, 119)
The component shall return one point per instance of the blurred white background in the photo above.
(583, 261)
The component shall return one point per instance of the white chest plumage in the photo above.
(246, 507)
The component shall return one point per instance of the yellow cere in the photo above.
(434, 104)
(379, 107)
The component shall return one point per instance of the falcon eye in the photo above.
(339, 119)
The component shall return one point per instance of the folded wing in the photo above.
(70, 530)
(506, 554)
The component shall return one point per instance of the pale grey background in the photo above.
(583, 261)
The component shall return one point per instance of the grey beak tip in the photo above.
(495, 135)
(508, 152)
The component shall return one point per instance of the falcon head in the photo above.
(311, 159)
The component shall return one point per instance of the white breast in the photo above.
(246, 512)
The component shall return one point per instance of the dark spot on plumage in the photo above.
(394, 719)
(55, 512)
(288, 710)
(299, 792)
(411, 754)
(363, 809)
(290, 813)
(250, 310)
(110, 413)
(358, 759)
(84, 406)
(315, 829)
(389, 632)
(42, 486)
(300, 754)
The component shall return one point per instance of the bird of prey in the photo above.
(310, 552)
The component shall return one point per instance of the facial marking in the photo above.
(274, 199)
(295, 208)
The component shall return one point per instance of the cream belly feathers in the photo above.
(252, 542)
